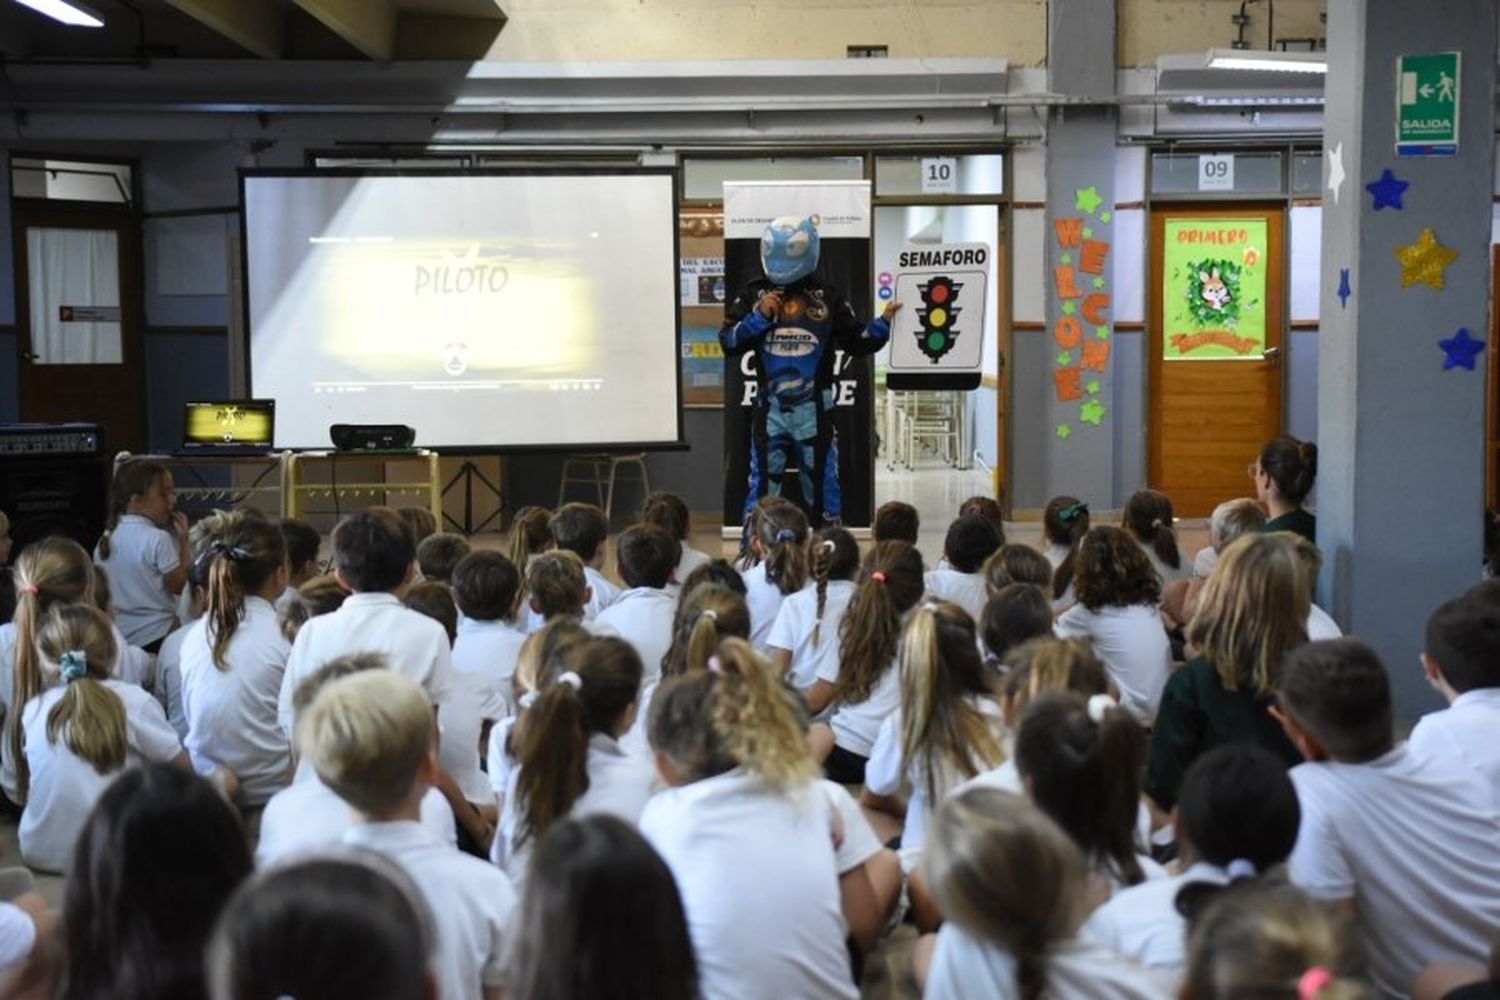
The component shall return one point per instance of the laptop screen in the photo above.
(245, 424)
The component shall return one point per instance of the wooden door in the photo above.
(1218, 330)
(79, 315)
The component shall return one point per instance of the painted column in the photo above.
(1404, 301)
(1077, 433)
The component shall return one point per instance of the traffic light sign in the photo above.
(938, 317)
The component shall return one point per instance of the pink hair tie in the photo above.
(878, 576)
(1313, 982)
(31, 589)
(715, 666)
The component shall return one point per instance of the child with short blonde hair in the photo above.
(370, 737)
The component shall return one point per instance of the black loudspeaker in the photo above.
(47, 495)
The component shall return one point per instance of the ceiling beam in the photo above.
(257, 26)
(368, 25)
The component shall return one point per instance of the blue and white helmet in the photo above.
(789, 248)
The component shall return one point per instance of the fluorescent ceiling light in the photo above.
(67, 11)
(1270, 62)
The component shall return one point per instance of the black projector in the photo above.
(372, 437)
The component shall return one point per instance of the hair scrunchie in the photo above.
(232, 552)
(571, 679)
(1240, 868)
(785, 535)
(74, 664)
(1071, 511)
(1313, 982)
(1098, 705)
(878, 576)
(715, 665)
(527, 700)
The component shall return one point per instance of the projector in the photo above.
(372, 437)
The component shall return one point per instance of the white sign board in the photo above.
(939, 175)
(937, 338)
(1216, 173)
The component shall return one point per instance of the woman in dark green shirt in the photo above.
(1283, 476)
(1252, 611)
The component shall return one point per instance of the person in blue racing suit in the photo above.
(795, 322)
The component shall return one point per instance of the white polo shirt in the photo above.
(856, 724)
(309, 816)
(967, 590)
(1468, 731)
(490, 649)
(140, 556)
(691, 560)
(764, 600)
(1413, 842)
(461, 722)
(1133, 643)
(412, 643)
(759, 881)
(169, 678)
(17, 935)
(1320, 625)
(1142, 922)
(472, 903)
(643, 617)
(64, 787)
(964, 966)
(794, 625)
(887, 773)
(620, 784)
(231, 713)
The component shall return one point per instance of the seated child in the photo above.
(970, 542)
(778, 544)
(669, 512)
(1236, 818)
(438, 554)
(1230, 520)
(896, 521)
(1065, 522)
(1015, 891)
(642, 615)
(1462, 663)
(302, 545)
(1148, 518)
(581, 528)
(1018, 613)
(805, 636)
(1014, 563)
(370, 738)
(485, 585)
(1405, 842)
(307, 816)
(1117, 596)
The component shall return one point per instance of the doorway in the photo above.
(1217, 334)
(79, 316)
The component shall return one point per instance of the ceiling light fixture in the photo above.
(69, 12)
(1270, 62)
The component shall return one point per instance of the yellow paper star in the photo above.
(1425, 260)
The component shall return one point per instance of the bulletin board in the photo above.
(701, 271)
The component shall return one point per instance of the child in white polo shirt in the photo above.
(669, 512)
(1462, 662)
(1236, 818)
(370, 738)
(778, 543)
(375, 558)
(642, 615)
(307, 817)
(970, 542)
(484, 588)
(145, 551)
(805, 635)
(1406, 841)
(232, 661)
(582, 528)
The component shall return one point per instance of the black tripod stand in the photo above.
(467, 473)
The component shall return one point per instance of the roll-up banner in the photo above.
(841, 210)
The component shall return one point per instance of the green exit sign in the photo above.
(1427, 104)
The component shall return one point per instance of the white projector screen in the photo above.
(486, 310)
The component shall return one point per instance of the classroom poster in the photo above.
(1214, 289)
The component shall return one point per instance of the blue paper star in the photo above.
(1344, 290)
(1388, 191)
(1461, 349)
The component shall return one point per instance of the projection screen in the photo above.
(486, 309)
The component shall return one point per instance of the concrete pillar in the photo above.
(1078, 430)
(1400, 436)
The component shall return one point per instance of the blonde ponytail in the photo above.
(756, 716)
(705, 615)
(78, 647)
(50, 571)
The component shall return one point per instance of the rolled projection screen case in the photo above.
(485, 309)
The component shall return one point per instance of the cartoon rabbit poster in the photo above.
(1214, 289)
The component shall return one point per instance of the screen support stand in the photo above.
(467, 473)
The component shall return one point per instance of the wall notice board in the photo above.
(701, 271)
